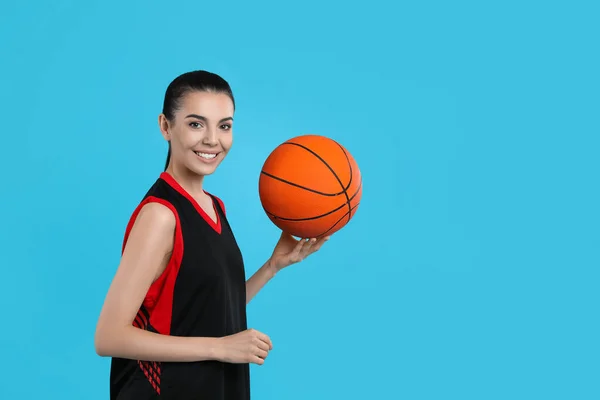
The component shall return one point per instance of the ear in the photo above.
(164, 126)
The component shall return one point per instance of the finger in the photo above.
(299, 247)
(257, 360)
(263, 345)
(320, 243)
(262, 353)
(306, 250)
(265, 339)
(295, 254)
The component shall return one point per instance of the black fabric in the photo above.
(209, 299)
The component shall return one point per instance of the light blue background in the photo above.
(470, 270)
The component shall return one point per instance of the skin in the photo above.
(203, 123)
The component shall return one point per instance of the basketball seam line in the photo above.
(332, 226)
(300, 186)
(313, 190)
(350, 182)
(331, 169)
(318, 216)
(328, 166)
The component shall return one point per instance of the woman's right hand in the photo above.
(249, 346)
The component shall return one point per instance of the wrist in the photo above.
(272, 268)
(209, 348)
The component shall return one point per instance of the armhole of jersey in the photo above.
(162, 287)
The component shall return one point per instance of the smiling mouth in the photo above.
(206, 156)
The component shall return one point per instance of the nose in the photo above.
(210, 137)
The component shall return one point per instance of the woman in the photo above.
(174, 319)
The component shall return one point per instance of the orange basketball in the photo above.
(310, 186)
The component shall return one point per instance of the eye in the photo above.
(195, 125)
(226, 127)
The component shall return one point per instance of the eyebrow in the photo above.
(200, 117)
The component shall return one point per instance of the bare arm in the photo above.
(145, 256)
(259, 280)
(287, 251)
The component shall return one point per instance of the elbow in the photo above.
(102, 343)
(109, 341)
(101, 350)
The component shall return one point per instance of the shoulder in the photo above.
(157, 213)
(152, 224)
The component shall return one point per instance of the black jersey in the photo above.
(202, 292)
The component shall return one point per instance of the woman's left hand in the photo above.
(290, 250)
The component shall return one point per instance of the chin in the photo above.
(203, 169)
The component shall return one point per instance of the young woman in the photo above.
(174, 318)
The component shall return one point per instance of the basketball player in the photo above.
(174, 318)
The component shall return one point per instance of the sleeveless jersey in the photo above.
(202, 292)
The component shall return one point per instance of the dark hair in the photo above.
(194, 81)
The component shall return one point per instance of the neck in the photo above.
(191, 182)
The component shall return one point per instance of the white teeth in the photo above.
(206, 155)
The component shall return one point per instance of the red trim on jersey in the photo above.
(216, 225)
(221, 204)
(151, 369)
(159, 298)
(152, 372)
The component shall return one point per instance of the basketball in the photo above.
(310, 186)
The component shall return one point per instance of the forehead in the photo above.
(208, 104)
